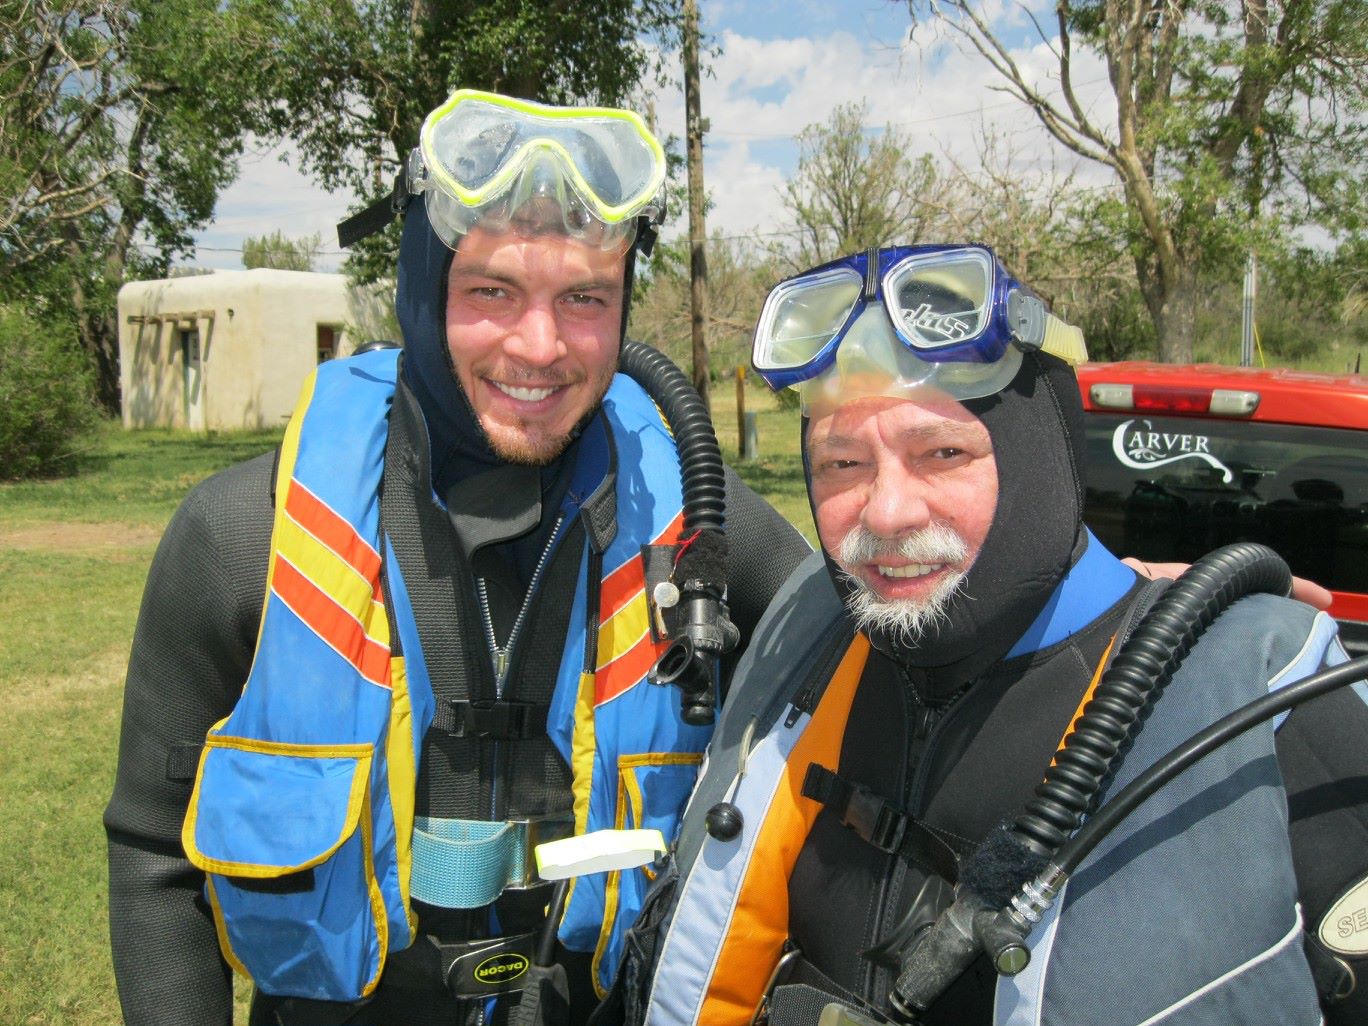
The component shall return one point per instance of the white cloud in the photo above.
(270, 195)
(762, 92)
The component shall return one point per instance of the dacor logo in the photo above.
(1344, 928)
(1144, 448)
(499, 968)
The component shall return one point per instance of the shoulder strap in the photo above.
(434, 575)
(1140, 604)
(428, 557)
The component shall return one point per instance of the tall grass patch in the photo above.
(777, 473)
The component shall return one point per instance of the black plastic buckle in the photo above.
(875, 820)
(859, 808)
(503, 721)
(482, 968)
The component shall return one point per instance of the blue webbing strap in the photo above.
(465, 863)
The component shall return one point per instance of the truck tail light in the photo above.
(1220, 402)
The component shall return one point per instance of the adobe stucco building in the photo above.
(226, 350)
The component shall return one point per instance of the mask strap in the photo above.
(643, 243)
(376, 217)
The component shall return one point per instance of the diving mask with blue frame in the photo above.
(900, 320)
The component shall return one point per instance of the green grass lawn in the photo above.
(777, 473)
(74, 554)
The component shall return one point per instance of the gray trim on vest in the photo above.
(796, 644)
(1196, 890)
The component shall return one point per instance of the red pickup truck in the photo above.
(1182, 459)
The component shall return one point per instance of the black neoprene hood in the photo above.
(420, 304)
(1036, 426)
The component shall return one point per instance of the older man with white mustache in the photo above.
(909, 689)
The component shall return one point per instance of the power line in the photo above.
(149, 247)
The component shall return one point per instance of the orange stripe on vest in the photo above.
(312, 514)
(622, 583)
(338, 628)
(759, 924)
(626, 664)
(626, 670)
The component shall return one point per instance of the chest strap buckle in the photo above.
(497, 720)
(859, 808)
(882, 824)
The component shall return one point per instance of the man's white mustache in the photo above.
(904, 621)
(936, 544)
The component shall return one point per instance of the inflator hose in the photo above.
(700, 569)
(700, 459)
(1136, 677)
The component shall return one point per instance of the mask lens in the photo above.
(941, 300)
(616, 162)
(801, 317)
(473, 142)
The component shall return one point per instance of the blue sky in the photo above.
(782, 65)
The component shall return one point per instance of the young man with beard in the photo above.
(912, 683)
(335, 789)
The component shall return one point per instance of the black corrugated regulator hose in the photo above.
(702, 631)
(700, 459)
(1135, 678)
(1014, 864)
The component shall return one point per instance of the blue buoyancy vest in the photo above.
(303, 806)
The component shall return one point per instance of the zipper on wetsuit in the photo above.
(501, 658)
(926, 719)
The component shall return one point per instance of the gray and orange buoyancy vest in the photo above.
(302, 814)
(1186, 913)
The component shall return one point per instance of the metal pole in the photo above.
(1247, 327)
(698, 263)
(741, 410)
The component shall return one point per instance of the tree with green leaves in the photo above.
(280, 253)
(118, 128)
(122, 120)
(854, 189)
(1233, 123)
(350, 81)
(739, 277)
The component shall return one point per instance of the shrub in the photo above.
(46, 400)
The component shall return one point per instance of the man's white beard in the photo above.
(902, 621)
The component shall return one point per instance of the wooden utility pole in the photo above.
(698, 261)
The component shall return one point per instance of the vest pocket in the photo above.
(283, 832)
